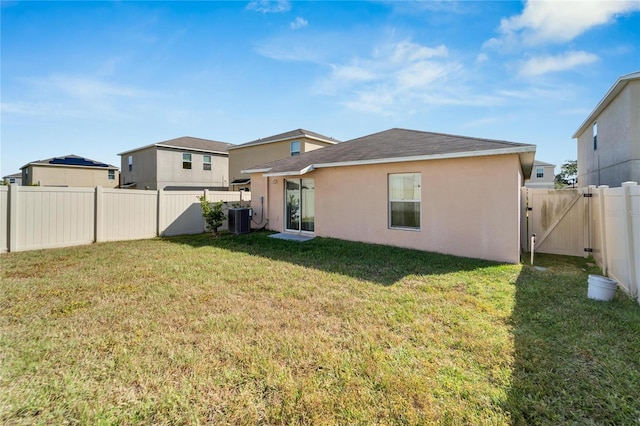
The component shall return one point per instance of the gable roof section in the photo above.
(542, 163)
(614, 91)
(397, 145)
(293, 134)
(71, 161)
(188, 143)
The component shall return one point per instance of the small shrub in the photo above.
(212, 214)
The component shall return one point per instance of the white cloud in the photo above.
(557, 21)
(266, 6)
(85, 87)
(545, 64)
(298, 23)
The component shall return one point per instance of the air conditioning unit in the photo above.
(239, 221)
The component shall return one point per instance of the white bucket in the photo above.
(601, 288)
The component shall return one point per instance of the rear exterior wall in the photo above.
(470, 207)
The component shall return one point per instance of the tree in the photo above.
(568, 174)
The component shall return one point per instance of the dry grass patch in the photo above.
(251, 330)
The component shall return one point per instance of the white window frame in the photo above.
(206, 163)
(111, 174)
(417, 200)
(293, 151)
(130, 161)
(595, 135)
(539, 172)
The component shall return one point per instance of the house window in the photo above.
(130, 162)
(112, 174)
(295, 148)
(595, 135)
(404, 200)
(186, 161)
(12, 180)
(539, 172)
(206, 162)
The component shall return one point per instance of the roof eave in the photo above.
(522, 151)
(257, 143)
(617, 87)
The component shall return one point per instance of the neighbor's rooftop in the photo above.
(293, 134)
(189, 143)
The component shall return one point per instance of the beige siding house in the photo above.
(420, 190)
(542, 176)
(269, 149)
(609, 139)
(70, 170)
(13, 179)
(182, 163)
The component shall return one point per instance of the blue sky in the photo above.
(98, 78)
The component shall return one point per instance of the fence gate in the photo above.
(560, 220)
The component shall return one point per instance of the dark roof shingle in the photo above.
(393, 145)
(298, 133)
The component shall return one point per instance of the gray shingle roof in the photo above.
(395, 145)
(298, 133)
(189, 143)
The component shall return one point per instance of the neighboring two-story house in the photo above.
(542, 176)
(609, 139)
(70, 170)
(268, 149)
(13, 179)
(184, 163)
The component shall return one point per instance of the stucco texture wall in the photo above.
(255, 155)
(469, 207)
(171, 173)
(72, 176)
(617, 157)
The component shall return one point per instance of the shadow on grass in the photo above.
(384, 265)
(577, 361)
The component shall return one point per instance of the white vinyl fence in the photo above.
(601, 221)
(33, 217)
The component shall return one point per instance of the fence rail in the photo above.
(45, 217)
(601, 221)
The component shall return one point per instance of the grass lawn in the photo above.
(251, 330)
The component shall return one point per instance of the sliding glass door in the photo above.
(299, 205)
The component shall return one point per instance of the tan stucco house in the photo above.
(427, 191)
(542, 176)
(70, 170)
(269, 149)
(609, 139)
(177, 164)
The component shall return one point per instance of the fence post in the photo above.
(160, 217)
(12, 217)
(97, 218)
(603, 228)
(631, 257)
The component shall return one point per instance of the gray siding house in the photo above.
(609, 139)
(184, 163)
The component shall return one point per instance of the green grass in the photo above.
(251, 330)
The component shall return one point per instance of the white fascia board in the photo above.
(72, 166)
(483, 153)
(617, 87)
(306, 170)
(184, 148)
(250, 144)
(177, 148)
(137, 149)
(250, 171)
